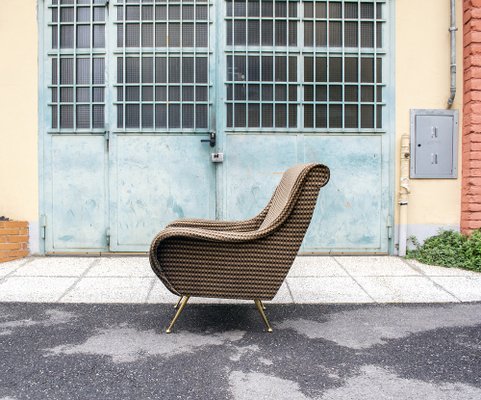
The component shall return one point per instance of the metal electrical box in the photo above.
(434, 143)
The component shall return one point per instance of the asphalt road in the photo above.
(372, 352)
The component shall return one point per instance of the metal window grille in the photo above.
(77, 63)
(310, 65)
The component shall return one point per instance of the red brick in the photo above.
(16, 239)
(13, 224)
(471, 207)
(15, 254)
(10, 246)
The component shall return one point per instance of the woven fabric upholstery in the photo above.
(241, 260)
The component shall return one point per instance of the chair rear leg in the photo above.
(183, 302)
(260, 308)
(178, 303)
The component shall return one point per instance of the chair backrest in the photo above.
(287, 192)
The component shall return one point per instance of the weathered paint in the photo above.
(76, 207)
(154, 180)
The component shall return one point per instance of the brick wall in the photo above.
(471, 175)
(13, 240)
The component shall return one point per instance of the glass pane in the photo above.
(83, 36)
(321, 69)
(281, 115)
(308, 116)
(201, 93)
(267, 33)
(188, 93)
(188, 34)
(132, 35)
(132, 117)
(66, 117)
(160, 35)
(321, 34)
(174, 116)
(147, 35)
(350, 34)
(201, 70)
(83, 14)
(174, 70)
(351, 116)
(160, 70)
(240, 33)
(83, 117)
(147, 116)
(321, 116)
(335, 34)
(147, 70)
(253, 33)
(83, 95)
(83, 71)
(132, 73)
(335, 116)
(254, 68)
(187, 116)
(367, 116)
(98, 116)
(201, 35)
(98, 70)
(267, 115)
(174, 36)
(281, 33)
(99, 36)
(147, 93)
(188, 70)
(66, 95)
(160, 116)
(66, 37)
(201, 116)
(66, 71)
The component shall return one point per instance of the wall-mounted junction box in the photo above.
(434, 144)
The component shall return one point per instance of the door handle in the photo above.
(211, 139)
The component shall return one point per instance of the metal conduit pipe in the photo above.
(452, 31)
(404, 190)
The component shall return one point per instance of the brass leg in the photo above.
(178, 303)
(263, 315)
(183, 302)
(262, 304)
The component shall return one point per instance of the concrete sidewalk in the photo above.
(323, 279)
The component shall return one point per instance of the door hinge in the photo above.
(107, 237)
(389, 227)
(107, 139)
(43, 226)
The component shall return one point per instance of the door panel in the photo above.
(253, 167)
(78, 210)
(154, 180)
(349, 214)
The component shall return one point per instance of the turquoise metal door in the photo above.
(130, 88)
(308, 81)
(162, 97)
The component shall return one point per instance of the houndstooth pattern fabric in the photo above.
(245, 259)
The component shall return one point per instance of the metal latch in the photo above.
(217, 157)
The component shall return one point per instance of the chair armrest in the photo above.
(239, 226)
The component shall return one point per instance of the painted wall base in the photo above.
(34, 238)
(421, 232)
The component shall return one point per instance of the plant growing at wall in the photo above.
(449, 249)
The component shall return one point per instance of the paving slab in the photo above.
(34, 289)
(375, 266)
(465, 288)
(404, 289)
(48, 266)
(7, 268)
(327, 290)
(307, 266)
(122, 267)
(435, 270)
(109, 290)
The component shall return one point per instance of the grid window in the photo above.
(327, 78)
(163, 65)
(77, 63)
